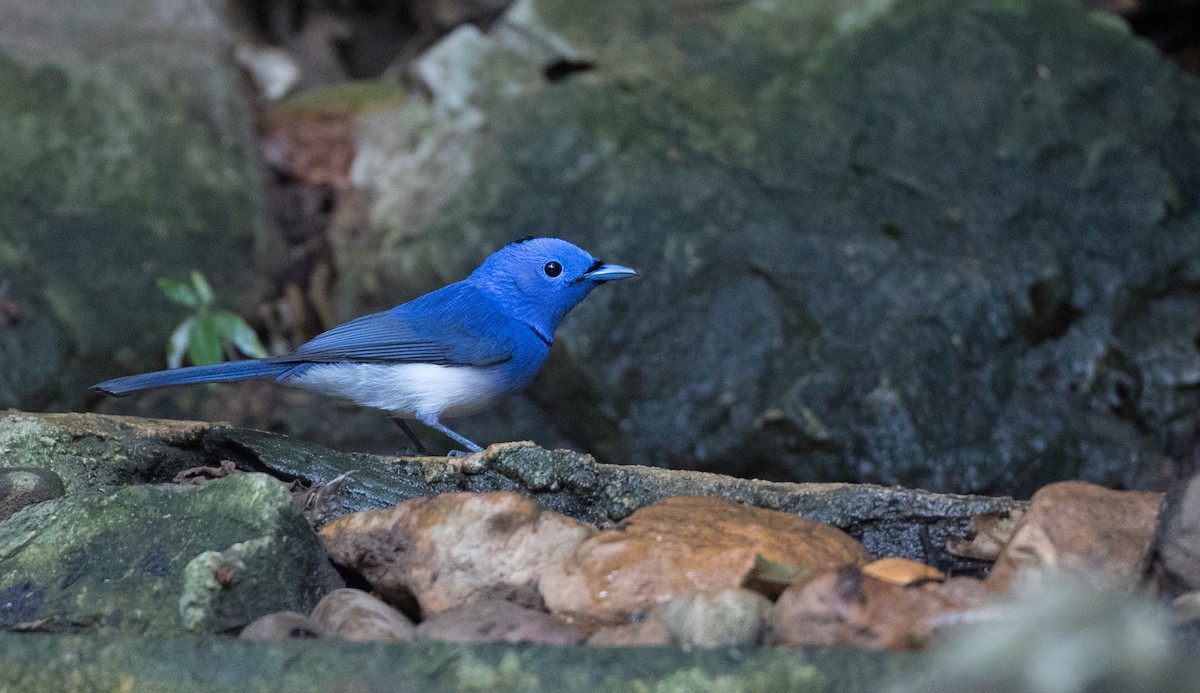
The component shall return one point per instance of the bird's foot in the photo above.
(466, 462)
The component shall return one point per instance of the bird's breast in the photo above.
(413, 389)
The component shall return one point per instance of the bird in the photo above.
(451, 352)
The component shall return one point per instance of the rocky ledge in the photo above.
(492, 569)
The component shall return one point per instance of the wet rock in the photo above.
(1176, 562)
(681, 545)
(903, 572)
(850, 608)
(495, 620)
(20, 487)
(647, 632)
(281, 626)
(159, 560)
(352, 614)
(716, 619)
(455, 548)
(1099, 536)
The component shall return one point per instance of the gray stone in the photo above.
(716, 619)
(127, 150)
(158, 560)
(1176, 555)
(281, 626)
(352, 614)
(920, 242)
(21, 487)
(494, 620)
(101, 453)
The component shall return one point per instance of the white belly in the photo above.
(407, 389)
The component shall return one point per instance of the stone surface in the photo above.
(159, 560)
(96, 452)
(495, 620)
(685, 544)
(352, 614)
(1176, 561)
(903, 572)
(128, 156)
(716, 619)
(1097, 535)
(57, 663)
(648, 632)
(455, 548)
(101, 453)
(24, 486)
(847, 215)
(282, 625)
(1062, 639)
(849, 608)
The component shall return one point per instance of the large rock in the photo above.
(455, 548)
(943, 244)
(125, 137)
(158, 560)
(683, 545)
(1096, 536)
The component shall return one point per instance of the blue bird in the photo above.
(452, 352)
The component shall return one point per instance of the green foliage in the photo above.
(207, 336)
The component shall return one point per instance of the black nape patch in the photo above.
(522, 239)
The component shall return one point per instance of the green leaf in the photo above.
(178, 292)
(234, 329)
(204, 346)
(204, 290)
(178, 343)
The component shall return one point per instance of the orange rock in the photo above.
(1097, 534)
(902, 571)
(455, 548)
(847, 607)
(686, 544)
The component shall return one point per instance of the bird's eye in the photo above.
(552, 269)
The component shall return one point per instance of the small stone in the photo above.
(686, 544)
(716, 619)
(352, 614)
(24, 486)
(989, 533)
(649, 632)
(1096, 534)
(902, 571)
(849, 608)
(494, 620)
(455, 548)
(282, 625)
(1176, 564)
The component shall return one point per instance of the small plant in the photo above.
(208, 335)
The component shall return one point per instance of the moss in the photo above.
(123, 562)
(108, 185)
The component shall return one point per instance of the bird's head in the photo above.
(539, 280)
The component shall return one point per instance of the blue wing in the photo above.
(453, 326)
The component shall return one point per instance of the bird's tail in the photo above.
(216, 373)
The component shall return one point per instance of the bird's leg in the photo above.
(411, 436)
(432, 422)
